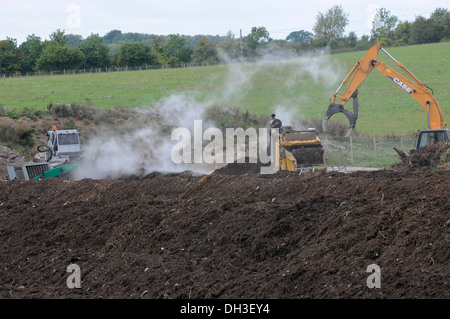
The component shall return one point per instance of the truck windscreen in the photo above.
(68, 138)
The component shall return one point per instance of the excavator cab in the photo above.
(62, 146)
(427, 137)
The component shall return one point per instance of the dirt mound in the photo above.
(248, 167)
(245, 166)
(433, 156)
(223, 236)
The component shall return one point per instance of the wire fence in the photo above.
(368, 151)
(102, 70)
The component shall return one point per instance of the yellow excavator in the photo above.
(437, 130)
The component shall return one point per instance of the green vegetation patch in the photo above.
(299, 87)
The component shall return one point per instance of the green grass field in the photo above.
(301, 87)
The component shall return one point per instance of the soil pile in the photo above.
(433, 156)
(228, 236)
(245, 166)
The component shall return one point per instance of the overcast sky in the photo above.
(190, 17)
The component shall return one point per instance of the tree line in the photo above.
(116, 49)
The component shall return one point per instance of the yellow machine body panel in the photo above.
(300, 150)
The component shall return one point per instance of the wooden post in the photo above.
(351, 149)
(401, 143)
(241, 41)
(375, 149)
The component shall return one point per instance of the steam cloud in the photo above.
(145, 150)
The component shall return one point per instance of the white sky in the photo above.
(190, 17)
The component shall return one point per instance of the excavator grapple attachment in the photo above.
(334, 108)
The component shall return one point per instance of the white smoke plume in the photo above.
(140, 151)
(145, 150)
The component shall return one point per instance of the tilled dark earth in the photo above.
(281, 236)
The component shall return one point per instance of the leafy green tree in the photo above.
(352, 39)
(178, 48)
(441, 20)
(159, 48)
(445, 23)
(59, 37)
(205, 51)
(230, 47)
(364, 43)
(330, 27)
(136, 54)
(349, 41)
(424, 31)
(301, 36)
(114, 59)
(401, 32)
(30, 51)
(74, 40)
(95, 51)
(9, 56)
(438, 14)
(383, 27)
(60, 57)
(111, 36)
(257, 39)
(174, 51)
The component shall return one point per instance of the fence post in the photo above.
(375, 149)
(401, 143)
(351, 149)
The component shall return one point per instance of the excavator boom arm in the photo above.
(357, 75)
(413, 86)
(417, 91)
